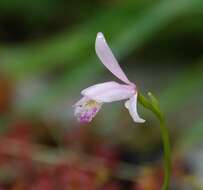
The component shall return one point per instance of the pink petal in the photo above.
(109, 92)
(131, 105)
(107, 58)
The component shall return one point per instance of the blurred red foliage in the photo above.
(86, 161)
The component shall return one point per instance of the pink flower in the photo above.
(94, 96)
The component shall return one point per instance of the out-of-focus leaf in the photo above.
(190, 137)
(68, 48)
(72, 47)
(183, 88)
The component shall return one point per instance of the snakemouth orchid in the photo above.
(95, 96)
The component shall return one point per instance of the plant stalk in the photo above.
(153, 105)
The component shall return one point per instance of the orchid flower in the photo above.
(95, 96)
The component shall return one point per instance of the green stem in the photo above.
(153, 105)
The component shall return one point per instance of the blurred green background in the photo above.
(47, 57)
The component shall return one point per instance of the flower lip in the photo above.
(86, 109)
